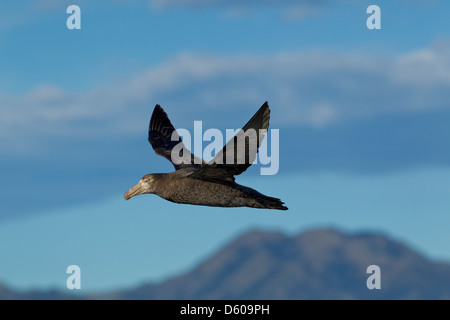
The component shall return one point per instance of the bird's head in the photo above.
(145, 185)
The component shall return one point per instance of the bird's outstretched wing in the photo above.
(239, 153)
(163, 137)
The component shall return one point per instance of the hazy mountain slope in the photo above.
(319, 264)
(314, 265)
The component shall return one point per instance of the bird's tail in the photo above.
(271, 203)
(261, 201)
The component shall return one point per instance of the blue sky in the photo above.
(363, 118)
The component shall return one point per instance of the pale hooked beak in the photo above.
(134, 191)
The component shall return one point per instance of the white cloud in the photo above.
(304, 88)
(291, 9)
(426, 67)
(231, 3)
(301, 12)
(322, 114)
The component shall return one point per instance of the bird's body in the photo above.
(200, 183)
(179, 188)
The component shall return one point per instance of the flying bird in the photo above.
(208, 184)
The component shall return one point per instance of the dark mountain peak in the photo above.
(256, 235)
(362, 246)
(317, 264)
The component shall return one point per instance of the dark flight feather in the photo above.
(163, 138)
(221, 169)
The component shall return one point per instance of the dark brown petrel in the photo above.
(200, 183)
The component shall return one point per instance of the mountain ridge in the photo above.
(316, 264)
